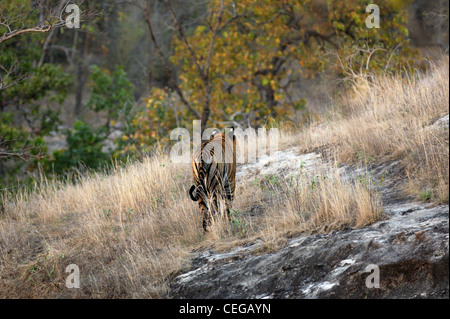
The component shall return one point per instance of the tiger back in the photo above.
(214, 173)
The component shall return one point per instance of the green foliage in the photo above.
(262, 49)
(300, 105)
(150, 124)
(29, 86)
(39, 83)
(84, 148)
(238, 225)
(16, 147)
(112, 94)
(13, 138)
(364, 51)
(49, 81)
(268, 42)
(426, 195)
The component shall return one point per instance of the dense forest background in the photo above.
(113, 89)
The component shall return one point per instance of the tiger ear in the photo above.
(214, 132)
(191, 193)
(231, 133)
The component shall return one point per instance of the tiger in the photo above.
(214, 173)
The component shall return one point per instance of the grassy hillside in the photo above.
(391, 118)
(131, 228)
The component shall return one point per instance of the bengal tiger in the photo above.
(214, 172)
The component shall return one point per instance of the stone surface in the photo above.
(410, 249)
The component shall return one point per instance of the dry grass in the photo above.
(307, 203)
(390, 118)
(131, 229)
(127, 231)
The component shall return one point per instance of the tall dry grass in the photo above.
(391, 118)
(127, 230)
(131, 229)
(322, 201)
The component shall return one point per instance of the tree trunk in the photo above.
(81, 76)
(2, 105)
(206, 108)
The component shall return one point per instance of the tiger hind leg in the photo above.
(206, 218)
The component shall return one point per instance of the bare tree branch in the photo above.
(45, 47)
(49, 20)
(146, 10)
(6, 73)
(147, 14)
(207, 81)
(42, 29)
(183, 38)
(25, 152)
(13, 23)
(203, 70)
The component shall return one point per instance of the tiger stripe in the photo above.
(214, 173)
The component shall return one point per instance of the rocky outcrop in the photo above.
(410, 251)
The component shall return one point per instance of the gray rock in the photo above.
(441, 123)
(410, 249)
